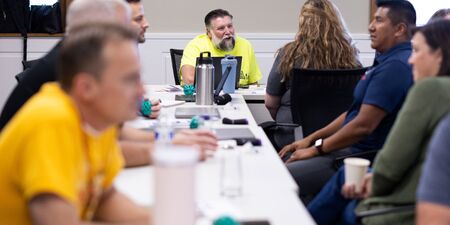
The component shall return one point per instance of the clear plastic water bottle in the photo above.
(164, 132)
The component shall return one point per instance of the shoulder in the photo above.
(50, 105)
(243, 41)
(432, 86)
(393, 73)
(199, 40)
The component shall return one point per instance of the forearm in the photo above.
(136, 153)
(272, 104)
(345, 137)
(137, 222)
(367, 120)
(432, 214)
(188, 74)
(116, 208)
(327, 131)
(132, 134)
(273, 113)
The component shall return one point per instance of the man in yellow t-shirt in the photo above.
(220, 40)
(60, 152)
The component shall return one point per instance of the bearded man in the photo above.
(220, 40)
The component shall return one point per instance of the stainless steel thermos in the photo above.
(204, 80)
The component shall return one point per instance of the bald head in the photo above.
(88, 11)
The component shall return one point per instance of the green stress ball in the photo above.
(146, 108)
(225, 220)
(188, 89)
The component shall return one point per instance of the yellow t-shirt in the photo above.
(45, 149)
(250, 72)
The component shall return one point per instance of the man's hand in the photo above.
(203, 139)
(349, 190)
(156, 108)
(300, 144)
(302, 154)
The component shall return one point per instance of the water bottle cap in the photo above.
(175, 156)
(205, 60)
(229, 57)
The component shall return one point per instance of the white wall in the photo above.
(250, 16)
(155, 57)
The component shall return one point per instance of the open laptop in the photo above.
(218, 70)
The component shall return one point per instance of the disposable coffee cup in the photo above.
(355, 169)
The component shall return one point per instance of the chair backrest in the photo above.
(320, 96)
(26, 65)
(176, 55)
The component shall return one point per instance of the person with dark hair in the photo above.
(397, 167)
(220, 40)
(378, 97)
(138, 20)
(440, 14)
(62, 144)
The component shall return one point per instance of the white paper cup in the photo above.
(355, 169)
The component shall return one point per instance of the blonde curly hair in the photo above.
(322, 41)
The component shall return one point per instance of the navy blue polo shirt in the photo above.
(385, 85)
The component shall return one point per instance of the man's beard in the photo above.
(141, 38)
(226, 44)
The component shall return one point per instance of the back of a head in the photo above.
(437, 36)
(88, 11)
(322, 41)
(400, 11)
(82, 50)
(440, 14)
(215, 14)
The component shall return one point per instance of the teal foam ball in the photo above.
(225, 220)
(146, 108)
(196, 122)
(189, 89)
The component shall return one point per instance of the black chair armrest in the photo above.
(271, 128)
(271, 124)
(383, 211)
(369, 155)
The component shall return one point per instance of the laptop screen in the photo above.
(218, 70)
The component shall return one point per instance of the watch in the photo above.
(318, 144)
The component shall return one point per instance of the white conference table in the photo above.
(268, 190)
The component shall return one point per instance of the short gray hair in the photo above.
(83, 49)
(88, 11)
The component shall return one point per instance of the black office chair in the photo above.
(317, 98)
(26, 66)
(175, 56)
(406, 208)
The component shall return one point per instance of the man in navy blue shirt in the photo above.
(378, 97)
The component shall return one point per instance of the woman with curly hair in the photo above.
(322, 42)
